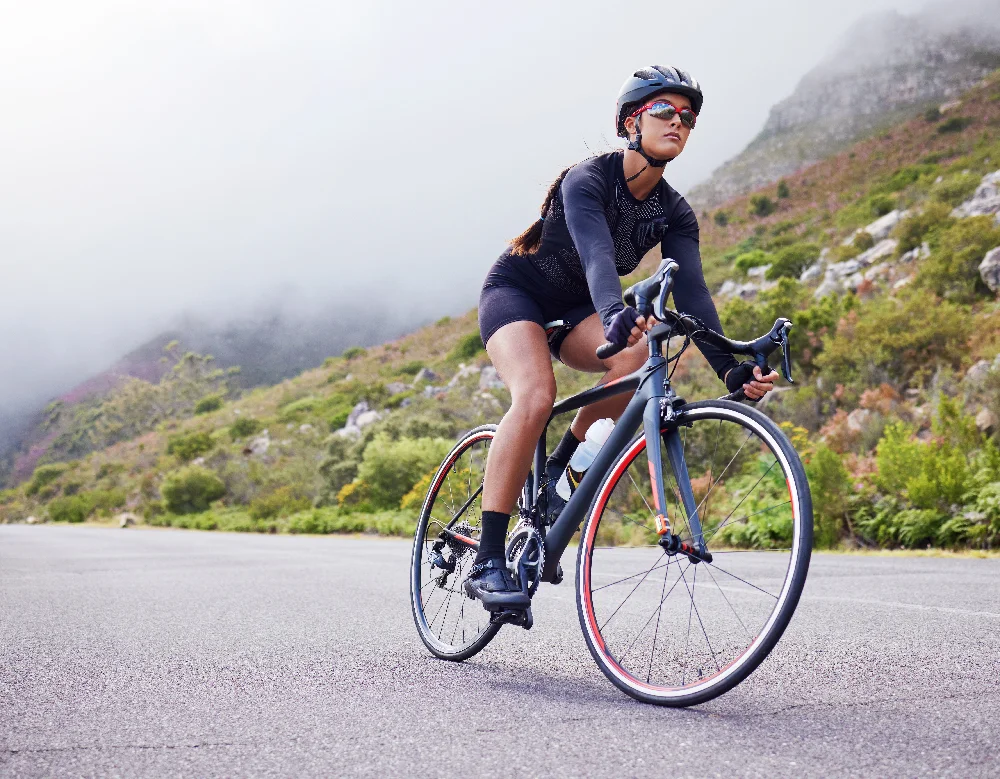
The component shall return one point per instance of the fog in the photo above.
(224, 158)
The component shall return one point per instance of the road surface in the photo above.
(147, 652)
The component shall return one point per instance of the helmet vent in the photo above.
(646, 73)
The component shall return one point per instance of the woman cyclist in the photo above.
(598, 220)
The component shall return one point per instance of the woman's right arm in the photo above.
(583, 194)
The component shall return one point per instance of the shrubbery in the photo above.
(187, 446)
(467, 347)
(952, 270)
(43, 476)
(244, 427)
(208, 403)
(191, 490)
(761, 206)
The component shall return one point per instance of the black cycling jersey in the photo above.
(595, 230)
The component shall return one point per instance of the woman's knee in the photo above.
(534, 403)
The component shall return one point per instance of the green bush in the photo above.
(411, 368)
(881, 204)
(467, 347)
(103, 501)
(208, 403)
(831, 490)
(932, 114)
(43, 476)
(907, 176)
(354, 351)
(191, 490)
(790, 261)
(187, 446)
(914, 230)
(952, 270)
(955, 124)
(389, 469)
(282, 502)
(761, 206)
(955, 188)
(863, 241)
(295, 410)
(752, 259)
(721, 218)
(893, 340)
(783, 190)
(338, 417)
(244, 427)
(70, 509)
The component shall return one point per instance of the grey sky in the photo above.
(215, 156)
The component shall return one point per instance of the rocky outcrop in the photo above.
(360, 417)
(989, 269)
(984, 201)
(887, 67)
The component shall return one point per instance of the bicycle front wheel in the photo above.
(668, 629)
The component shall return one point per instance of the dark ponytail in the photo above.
(528, 241)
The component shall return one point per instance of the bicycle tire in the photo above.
(734, 672)
(439, 643)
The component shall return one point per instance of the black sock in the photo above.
(564, 450)
(493, 538)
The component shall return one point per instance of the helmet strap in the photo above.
(636, 145)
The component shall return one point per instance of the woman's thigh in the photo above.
(520, 353)
(579, 347)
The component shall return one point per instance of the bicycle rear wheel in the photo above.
(664, 628)
(450, 625)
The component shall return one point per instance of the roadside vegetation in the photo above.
(895, 410)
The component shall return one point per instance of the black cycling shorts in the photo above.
(503, 300)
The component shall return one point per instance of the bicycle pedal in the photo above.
(523, 619)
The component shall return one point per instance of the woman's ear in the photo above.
(630, 126)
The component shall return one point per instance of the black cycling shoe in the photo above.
(491, 583)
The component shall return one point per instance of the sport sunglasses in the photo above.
(662, 109)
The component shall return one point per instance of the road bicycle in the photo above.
(696, 534)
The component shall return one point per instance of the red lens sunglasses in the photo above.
(662, 109)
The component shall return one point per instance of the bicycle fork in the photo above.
(659, 426)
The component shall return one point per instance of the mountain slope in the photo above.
(895, 411)
(886, 68)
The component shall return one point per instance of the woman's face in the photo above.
(663, 139)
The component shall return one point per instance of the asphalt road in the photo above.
(147, 653)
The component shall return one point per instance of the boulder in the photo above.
(759, 272)
(984, 201)
(919, 253)
(426, 374)
(489, 379)
(369, 417)
(986, 421)
(880, 251)
(989, 270)
(306, 428)
(977, 374)
(127, 519)
(829, 286)
(813, 272)
(32, 520)
(881, 227)
(464, 371)
(858, 419)
(395, 387)
(259, 445)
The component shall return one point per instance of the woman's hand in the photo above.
(749, 376)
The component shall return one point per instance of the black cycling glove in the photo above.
(620, 327)
(740, 375)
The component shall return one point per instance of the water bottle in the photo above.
(585, 453)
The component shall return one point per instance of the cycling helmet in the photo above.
(646, 82)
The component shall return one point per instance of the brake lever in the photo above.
(786, 358)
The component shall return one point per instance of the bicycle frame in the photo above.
(652, 406)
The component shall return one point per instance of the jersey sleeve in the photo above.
(691, 295)
(584, 193)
